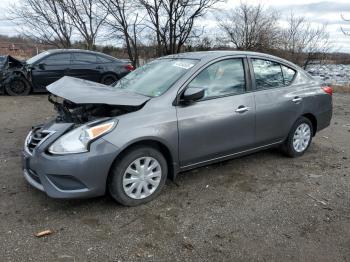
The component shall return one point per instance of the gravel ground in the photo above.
(263, 207)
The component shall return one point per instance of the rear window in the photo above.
(81, 58)
(268, 74)
(104, 60)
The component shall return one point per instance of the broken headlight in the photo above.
(78, 140)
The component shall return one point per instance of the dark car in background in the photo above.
(36, 73)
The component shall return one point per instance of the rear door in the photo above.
(86, 66)
(222, 123)
(50, 69)
(277, 102)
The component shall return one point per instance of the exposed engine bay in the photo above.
(81, 113)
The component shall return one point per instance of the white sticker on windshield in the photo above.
(183, 65)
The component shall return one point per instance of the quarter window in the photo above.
(58, 59)
(222, 78)
(288, 75)
(268, 74)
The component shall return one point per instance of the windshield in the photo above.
(37, 57)
(156, 77)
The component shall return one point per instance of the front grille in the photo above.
(37, 135)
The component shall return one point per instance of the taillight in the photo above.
(129, 68)
(328, 90)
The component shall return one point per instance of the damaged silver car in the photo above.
(176, 113)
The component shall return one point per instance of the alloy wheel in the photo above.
(17, 86)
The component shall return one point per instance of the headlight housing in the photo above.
(78, 139)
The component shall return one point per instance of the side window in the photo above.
(81, 58)
(268, 74)
(103, 60)
(288, 75)
(222, 78)
(58, 59)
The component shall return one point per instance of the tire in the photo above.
(18, 86)
(128, 194)
(295, 145)
(109, 79)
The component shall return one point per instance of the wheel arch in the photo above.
(154, 143)
(16, 74)
(19, 73)
(108, 73)
(313, 121)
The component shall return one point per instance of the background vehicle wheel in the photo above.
(299, 138)
(109, 79)
(138, 176)
(18, 86)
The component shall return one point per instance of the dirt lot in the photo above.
(263, 207)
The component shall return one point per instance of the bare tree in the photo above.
(342, 29)
(125, 23)
(204, 43)
(87, 18)
(303, 41)
(44, 20)
(250, 27)
(173, 21)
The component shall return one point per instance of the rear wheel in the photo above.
(138, 177)
(299, 138)
(18, 86)
(109, 79)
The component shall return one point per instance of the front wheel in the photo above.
(299, 138)
(138, 176)
(18, 86)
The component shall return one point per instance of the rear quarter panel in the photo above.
(319, 104)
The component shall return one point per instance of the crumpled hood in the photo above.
(10, 61)
(81, 91)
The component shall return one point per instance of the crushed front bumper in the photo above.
(80, 175)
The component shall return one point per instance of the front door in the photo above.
(222, 123)
(50, 69)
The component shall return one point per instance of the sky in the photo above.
(318, 13)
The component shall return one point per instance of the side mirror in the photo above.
(41, 66)
(193, 94)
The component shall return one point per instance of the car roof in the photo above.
(210, 55)
(54, 51)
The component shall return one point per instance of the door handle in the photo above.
(242, 109)
(297, 99)
(99, 67)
